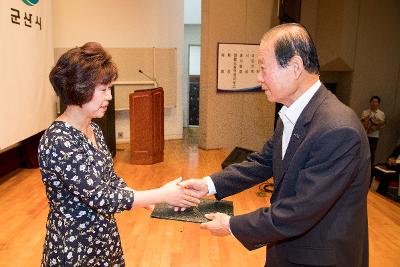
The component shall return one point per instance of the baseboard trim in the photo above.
(166, 137)
(173, 136)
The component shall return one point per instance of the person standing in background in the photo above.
(373, 120)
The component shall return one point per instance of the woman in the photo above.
(82, 188)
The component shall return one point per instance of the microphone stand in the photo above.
(153, 79)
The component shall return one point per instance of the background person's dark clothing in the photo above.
(386, 178)
(373, 144)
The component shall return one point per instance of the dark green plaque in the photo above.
(195, 214)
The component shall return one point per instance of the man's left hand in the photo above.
(219, 224)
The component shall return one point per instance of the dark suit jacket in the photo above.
(318, 212)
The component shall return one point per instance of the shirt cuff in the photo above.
(211, 186)
(229, 226)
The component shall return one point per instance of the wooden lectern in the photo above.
(146, 111)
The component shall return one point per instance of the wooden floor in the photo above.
(154, 242)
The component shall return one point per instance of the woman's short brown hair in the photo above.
(79, 70)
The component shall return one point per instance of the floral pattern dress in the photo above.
(84, 193)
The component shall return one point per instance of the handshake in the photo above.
(180, 195)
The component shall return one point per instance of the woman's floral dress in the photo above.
(84, 193)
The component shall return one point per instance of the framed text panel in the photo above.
(237, 68)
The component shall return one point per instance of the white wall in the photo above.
(126, 23)
(192, 14)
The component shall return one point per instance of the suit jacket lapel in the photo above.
(278, 143)
(297, 137)
(300, 129)
(277, 157)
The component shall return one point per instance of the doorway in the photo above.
(191, 63)
(194, 84)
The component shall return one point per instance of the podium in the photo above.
(146, 112)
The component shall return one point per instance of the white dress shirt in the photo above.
(289, 116)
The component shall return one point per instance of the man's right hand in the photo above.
(177, 195)
(200, 186)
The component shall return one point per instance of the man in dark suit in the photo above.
(319, 158)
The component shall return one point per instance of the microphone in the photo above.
(153, 79)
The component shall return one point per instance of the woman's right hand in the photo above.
(177, 195)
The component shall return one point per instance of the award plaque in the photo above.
(194, 214)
